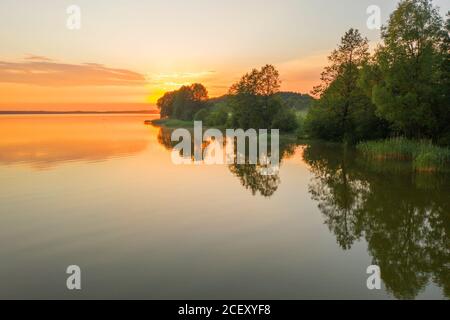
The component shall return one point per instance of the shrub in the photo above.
(201, 115)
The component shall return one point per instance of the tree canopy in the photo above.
(403, 89)
(255, 105)
(183, 103)
(410, 90)
(344, 112)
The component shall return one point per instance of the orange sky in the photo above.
(40, 83)
(126, 54)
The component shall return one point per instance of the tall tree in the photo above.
(265, 82)
(409, 90)
(352, 53)
(255, 105)
(343, 111)
(443, 129)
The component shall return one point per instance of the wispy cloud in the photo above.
(179, 78)
(37, 58)
(42, 71)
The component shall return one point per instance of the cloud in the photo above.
(37, 58)
(42, 71)
(179, 78)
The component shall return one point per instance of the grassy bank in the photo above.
(423, 154)
(173, 123)
(176, 123)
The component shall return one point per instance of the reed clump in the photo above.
(424, 156)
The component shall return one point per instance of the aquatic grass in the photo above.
(423, 154)
(173, 123)
(432, 158)
(390, 149)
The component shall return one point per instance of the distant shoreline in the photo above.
(80, 112)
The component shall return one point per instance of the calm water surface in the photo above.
(101, 192)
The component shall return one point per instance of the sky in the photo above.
(127, 53)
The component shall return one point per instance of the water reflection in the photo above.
(252, 179)
(43, 142)
(250, 175)
(403, 216)
(164, 138)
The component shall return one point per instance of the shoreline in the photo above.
(184, 124)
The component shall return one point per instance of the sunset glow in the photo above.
(141, 51)
(225, 159)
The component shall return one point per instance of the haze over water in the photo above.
(101, 192)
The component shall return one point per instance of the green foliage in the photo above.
(402, 90)
(255, 104)
(165, 104)
(443, 128)
(285, 120)
(250, 111)
(322, 123)
(394, 148)
(252, 99)
(409, 83)
(344, 112)
(173, 123)
(424, 155)
(432, 159)
(264, 82)
(184, 103)
(218, 117)
(296, 101)
(201, 115)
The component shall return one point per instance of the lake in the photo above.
(101, 192)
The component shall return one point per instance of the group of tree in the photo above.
(402, 89)
(253, 102)
(297, 101)
(183, 103)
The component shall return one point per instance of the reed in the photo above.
(422, 153)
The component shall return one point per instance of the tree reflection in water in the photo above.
(403, 216)
(249, 175)
(164, 138)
